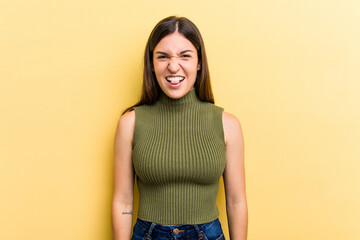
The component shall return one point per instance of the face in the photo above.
(175, 65)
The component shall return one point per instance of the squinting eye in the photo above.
(186, 56)
(161, 57)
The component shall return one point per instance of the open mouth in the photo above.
(174, 80)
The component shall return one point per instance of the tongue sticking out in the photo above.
(175, 82)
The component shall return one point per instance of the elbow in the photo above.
(242, 203)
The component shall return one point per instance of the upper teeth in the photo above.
(174, 78)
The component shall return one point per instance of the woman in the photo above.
(179, 144)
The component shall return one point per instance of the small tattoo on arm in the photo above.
(127, 212)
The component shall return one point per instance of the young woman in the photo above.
(178, 144)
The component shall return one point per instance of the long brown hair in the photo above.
(150, 88)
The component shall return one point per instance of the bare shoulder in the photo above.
(232, 127)
(126, 125)
(127, 119)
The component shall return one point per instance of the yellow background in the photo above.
(289, 70)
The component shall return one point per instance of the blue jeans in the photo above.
(144, 230)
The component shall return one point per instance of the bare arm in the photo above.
(123, 194)
(234, 178)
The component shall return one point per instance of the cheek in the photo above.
(192, 68)
(158, 68)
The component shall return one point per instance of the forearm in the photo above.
(237, 215)
(122, 215)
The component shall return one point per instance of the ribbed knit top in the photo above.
(178, 157)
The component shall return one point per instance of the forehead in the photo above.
(174, 42)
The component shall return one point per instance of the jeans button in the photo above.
(176, 231)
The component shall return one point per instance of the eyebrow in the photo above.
(182, 52)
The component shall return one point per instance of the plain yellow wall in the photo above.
(289, 70)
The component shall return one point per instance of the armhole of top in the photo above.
(133, 142)
(221, 110)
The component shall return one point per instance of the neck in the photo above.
(189, 98)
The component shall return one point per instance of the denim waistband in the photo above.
(146, 225)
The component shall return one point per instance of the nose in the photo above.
(174, 65)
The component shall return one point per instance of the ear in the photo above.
(199, 66)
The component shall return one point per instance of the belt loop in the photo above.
(200, 233)
(148, 235)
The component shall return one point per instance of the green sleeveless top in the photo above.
(178, 157)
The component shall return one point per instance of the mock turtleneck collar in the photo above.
(188, 98)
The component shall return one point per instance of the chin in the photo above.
(175, 93)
